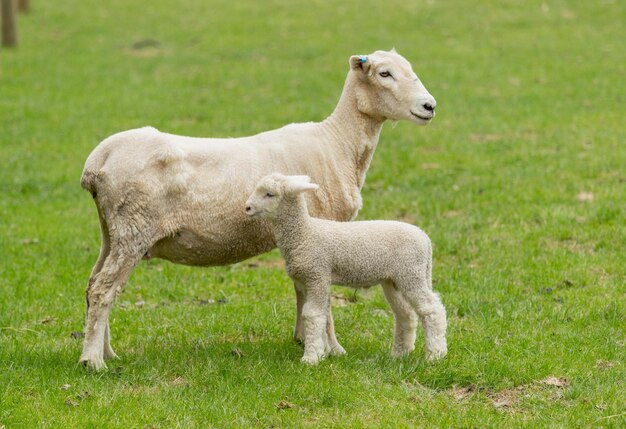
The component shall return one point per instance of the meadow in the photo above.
(520, 181)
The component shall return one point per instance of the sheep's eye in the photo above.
(269, 194)
(384, 74)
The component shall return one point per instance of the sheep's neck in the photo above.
(357, 131)
(291, 223)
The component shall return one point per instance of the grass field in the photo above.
(520, 181)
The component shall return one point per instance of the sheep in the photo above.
(321, 252)
(179, 198)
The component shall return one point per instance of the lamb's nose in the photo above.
(248, 208)
(428, 106)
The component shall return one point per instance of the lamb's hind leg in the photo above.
(418, 292)
(107, 284)
(405, 321)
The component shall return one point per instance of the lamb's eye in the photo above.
(384, 74)
(269, 194)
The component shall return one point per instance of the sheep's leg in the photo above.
(107, 350)
(315, 318)
(105, 249)
(107, 285)
(405, 321)
(432, 315)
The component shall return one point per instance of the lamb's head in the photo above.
(387, 88)
(273, 190)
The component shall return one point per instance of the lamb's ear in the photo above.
(360, 63)
(296, 184)
(393, 50)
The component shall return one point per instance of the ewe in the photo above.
(179, 198)
(320, 252)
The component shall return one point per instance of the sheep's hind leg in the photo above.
(432, 315)
(108, 283)
(105, 249)
(107, 350)
(405, 321)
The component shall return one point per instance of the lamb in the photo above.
(179, 198)
(320, 252)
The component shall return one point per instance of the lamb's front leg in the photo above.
(333, 344)
(298, 332)
(335, 348)
(315, 319)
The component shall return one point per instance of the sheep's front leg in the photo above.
(315, 318)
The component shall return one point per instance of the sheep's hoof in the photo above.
(110, 354)
(299, 339)
(94, 363)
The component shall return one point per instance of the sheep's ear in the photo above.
(393, 50)
(360, 63)
(296, 184)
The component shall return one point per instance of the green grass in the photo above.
(531, 106)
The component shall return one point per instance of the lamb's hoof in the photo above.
(310, 360)
(299, 339)
(398, 352)
(337, 350)
(433, 355)
(94, 363)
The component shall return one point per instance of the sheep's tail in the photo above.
(88, 181)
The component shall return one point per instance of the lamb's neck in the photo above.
(291, 224)
(356, 132)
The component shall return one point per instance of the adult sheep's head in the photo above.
(388, 88)
(272, 190)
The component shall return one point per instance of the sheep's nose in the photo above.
(248, 208)
(428, 106)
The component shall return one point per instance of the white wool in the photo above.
(320, 252)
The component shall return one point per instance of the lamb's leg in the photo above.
(298, 332)
(315, 318)
(333, 344)
(405, 321)
(432, 314)
(107, 285)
